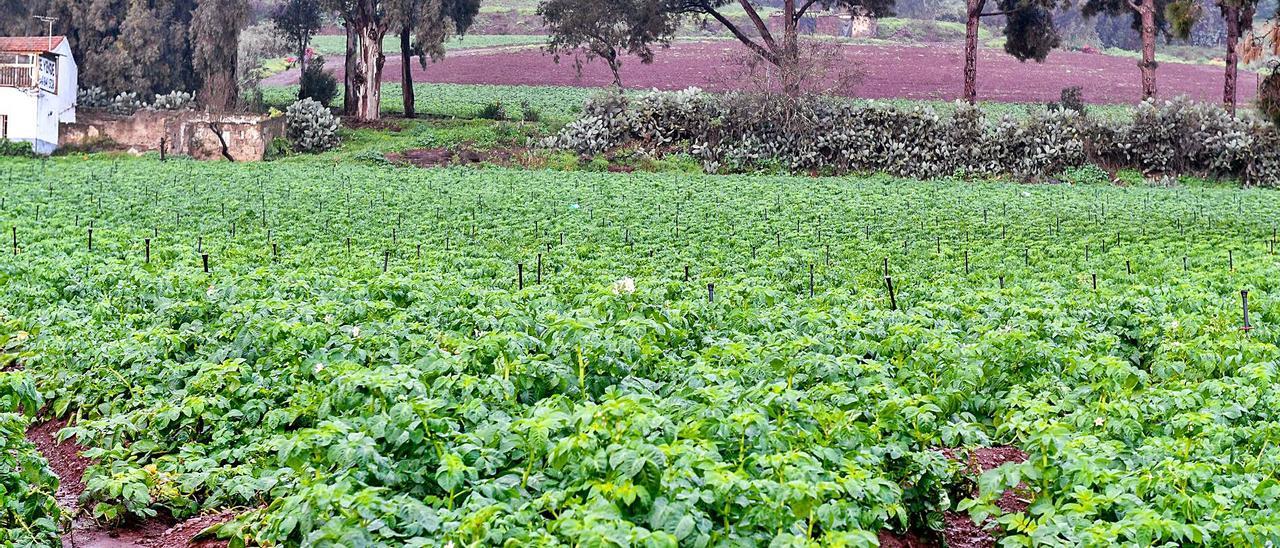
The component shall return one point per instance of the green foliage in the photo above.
(746, 133)
(1073, 99)
(492, 111)
(318, 84)
(1029, 30)
(606, 30)
(29, 512)
(16, 148)
(530, 113)
(310, 127)
(277, 149)
(611, 400)
(174, 100)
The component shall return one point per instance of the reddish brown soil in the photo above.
(161, 531)
(183, 534)
(64, 458)
(960, 531)
(890, 539)
(898, 71)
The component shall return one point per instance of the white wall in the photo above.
(68, 84)
(34, 115)
(21, 107)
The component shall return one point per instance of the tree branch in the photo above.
(803, 8)
(759, 23)
(760, 50)
(1001, 12)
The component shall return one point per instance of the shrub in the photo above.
(1072, 98)
(278, 148)
(174, 100)
(492, 111)
(311, 127)
(92, 97)
(753, 132)
(125, 103)
(1269, 97)
(530, 113)
(16, 148)
(318, 84)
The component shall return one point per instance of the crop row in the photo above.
(692, 360)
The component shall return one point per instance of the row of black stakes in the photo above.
(893, 302)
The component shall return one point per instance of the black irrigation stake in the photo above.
(204, 260)
(519, 275)
(348, 245)
(1094, 275)
(886, 267)
(711, 292)
(147, 244)
(386, 259)
(1231, 261)
(15, 240)
(275, 251)
(966, 262)
(686, 273)
(90, 239)
(1128, 268)
(893, 300)
(1001, 281)
(1184, 263)
(1026, 256)
(539, 278)
(810, 280)
(419, 251)
(1244, 304)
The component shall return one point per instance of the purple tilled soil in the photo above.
(900, 71)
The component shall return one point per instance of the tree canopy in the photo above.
(604, 30)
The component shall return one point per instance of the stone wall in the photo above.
(185, 133)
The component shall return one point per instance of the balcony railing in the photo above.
(17, 76)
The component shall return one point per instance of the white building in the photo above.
(37, 89)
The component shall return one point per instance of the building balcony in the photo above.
(17, 76)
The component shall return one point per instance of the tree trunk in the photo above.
(366, 83)
(974, 11)
(790, 57)
(406, 73)
(349, 71)
(1147, 12)
(302, 70)
(1232, 15)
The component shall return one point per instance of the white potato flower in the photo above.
(625, 286)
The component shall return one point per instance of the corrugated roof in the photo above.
(29, 44)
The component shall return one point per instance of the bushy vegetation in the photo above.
(311, 127)
(686, 360)
(318, 84)
(29, 513)
(126, 103)
(16, 148)
(1269, 97)
(740, 132)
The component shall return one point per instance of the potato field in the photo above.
(340, 354)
